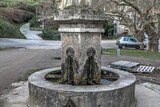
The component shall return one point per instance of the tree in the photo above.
(138, 15)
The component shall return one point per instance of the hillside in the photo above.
(12, 17)
(10, 21)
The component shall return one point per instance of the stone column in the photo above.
(81, 30)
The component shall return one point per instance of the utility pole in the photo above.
(158, 32)
(43, 21)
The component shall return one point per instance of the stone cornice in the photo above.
(81, 30)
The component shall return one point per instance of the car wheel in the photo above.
(119, 46)
(137, 47)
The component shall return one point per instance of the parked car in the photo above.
(128, 41)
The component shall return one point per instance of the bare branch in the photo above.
(133, 6)
(119, 3)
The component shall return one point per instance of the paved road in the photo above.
(108, 43)
(30, 44)
(32, 35)
(14, 63)
(43, 44)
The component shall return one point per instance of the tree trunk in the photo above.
(140, 36)
(153, 38)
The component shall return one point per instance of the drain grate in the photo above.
(143, 68)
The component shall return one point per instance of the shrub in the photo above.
(34, 22)
(26, 7)
(3, 4)
(50, 34)
(14, 15)
(109, 29)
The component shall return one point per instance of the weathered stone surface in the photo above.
(80, 43)
(78, 16)
(81, 30)
(47, 94)
(70, 68)
(90, 3)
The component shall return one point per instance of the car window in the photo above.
(133, 40)
(125, 39)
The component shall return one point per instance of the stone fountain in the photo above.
(81, 81)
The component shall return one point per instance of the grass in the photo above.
(133, 52)
(14, 13)
(11, 19)
(9, 30)
(51, 34)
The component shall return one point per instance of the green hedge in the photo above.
(109, 30)
(34, 23)
(51, 34)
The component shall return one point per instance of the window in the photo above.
(125, 39)
(133, 40)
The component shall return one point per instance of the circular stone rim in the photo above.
(125, 79)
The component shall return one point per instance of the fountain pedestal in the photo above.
(81, 31)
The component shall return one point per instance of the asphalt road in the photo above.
(43, 44)
(14, 63)
(29, 44)
(108, 44)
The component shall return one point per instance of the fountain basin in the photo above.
(44, 93)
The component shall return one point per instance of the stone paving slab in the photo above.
(17, 97)
(153, 87)
(145, 95)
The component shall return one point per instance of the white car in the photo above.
(128, 41)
